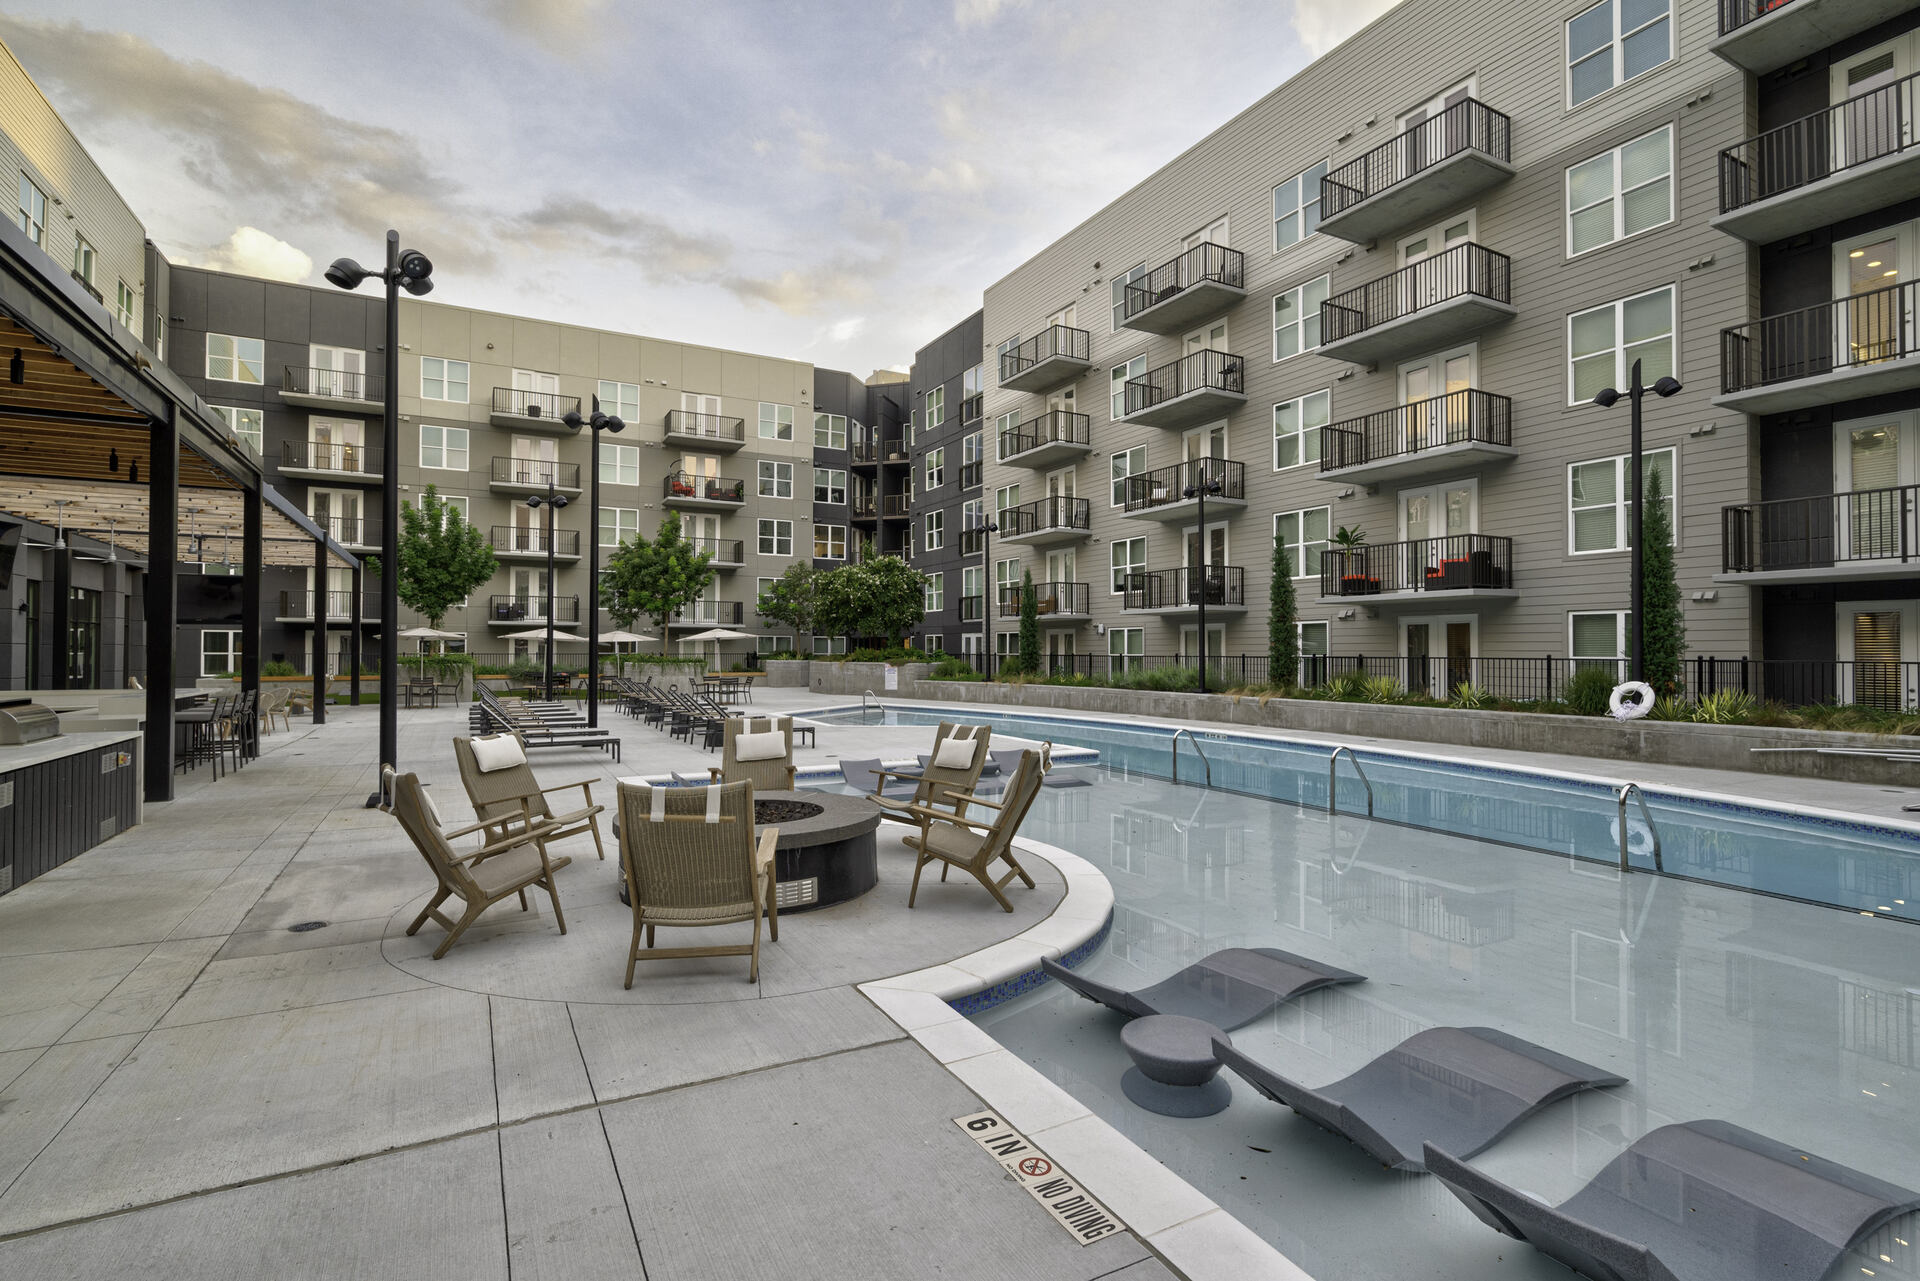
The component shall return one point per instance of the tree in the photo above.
(1664, 628)
(1029, 626)
(442, 557)
(881, 598)
(1283, 632)
(791, 599)
(654, 579)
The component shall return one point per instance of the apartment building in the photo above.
(947, 392)
(852, 420)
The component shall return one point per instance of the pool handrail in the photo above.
(1620, 798)
(1195, 740)
(864, 696)
(1332, 792)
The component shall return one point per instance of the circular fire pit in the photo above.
(773, 813)
(825, 852)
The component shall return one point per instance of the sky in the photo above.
(835, 181)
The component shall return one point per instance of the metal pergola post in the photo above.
(163, 543)
(353, 643)
(320, 630)
(253, 558)
(62, 616)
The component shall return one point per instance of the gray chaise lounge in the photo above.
(1227, 989)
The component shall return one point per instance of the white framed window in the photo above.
(934, 643)
(622, 399)
(776, 479)
(936, 407)
(970, 450)
(1304, 535)
(459, 504)
(761, 586)
(776, 537)
(936, 531)
(1620, 193)
(1129, 556)
(1312, 637)
(84, 258)
(1296, 317)
(972, 514)
(1121, 279)
(1005, 497)
(830, 486)
(231, 359)
(776, 421)
(1126, 648)
(442, 379)
(248, 424)
(829, 645)
(1603, 342)
(1117, 379)
(1597, 638)
(1296, 429)
(123, 307)
(618, 524)
(1125, 463)
(972, 384)
(443, 448)
(1296, 206)
(1001, 426)
(936, 598)
(829, 431)
(829, 542)
(1613, 42)
(774, 645)
(219, 652)
(1598, 504)
(619, 464)
(936, 468)
(33, 211)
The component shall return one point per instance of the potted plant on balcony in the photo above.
(1354, 580)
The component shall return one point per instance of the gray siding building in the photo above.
(945, 391)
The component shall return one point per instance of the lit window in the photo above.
(830, 542)
(247, 424)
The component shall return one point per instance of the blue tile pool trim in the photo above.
(1024, 982)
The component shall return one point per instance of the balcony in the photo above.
(1826, 538)
(342, 391)
(689, 491)
(543, 411)
(1431, 169)
(972, 608)
(1175, 296)
(1467, 428)
(1194, 389)
(1433, 302)
(722, 553)
(714, 433)
(1047, 361)
(1055, 437)
(1458, 567)
(1863, 345)
(330, 461)
(355, 533)
(1161, 494)
(970, 475)
(520, 542)
(870, 453)
(894, 507)
(1053, 603)
(1173, 593)
(709, 613)
(530, 608)
(863, 507)
(89, 286)
(297, 607)
(533, 476)
(1054, 519)
(1765, 35)
(1823, 168)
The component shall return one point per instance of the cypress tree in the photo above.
(1283, 636)
(1664, 632)
(1029, 626)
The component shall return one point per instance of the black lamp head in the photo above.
(534, 500)
(609, 422)
(416, 271)
(573, 420)
(418, 288)
(1607, 398)
(558, 501)
(345, 273)
(1666, 387)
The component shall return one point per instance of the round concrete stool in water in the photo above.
(1174, 1072)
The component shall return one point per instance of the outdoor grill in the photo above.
(24, 721)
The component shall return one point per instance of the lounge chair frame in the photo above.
(949, 838)
(685, 872)
(514, 796)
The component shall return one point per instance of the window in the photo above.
(1296, 206)
(829, 645)
(247, 424)
(1126, 648)
(1296, 429)
(1117, 379)
(619, 464)
(1121, 279)
(84, 258)
(1312, 638)
(829, 431)
(1128, 462)
(776, 479)
(33, 211)
(936, 593)
(774, 645)
(972, 383)
(458, 504)
(1003, 498)
(936, 468)
(1129, 557)
(1304, 535)
(970, 452)
(236, 360)
(829, 486)
(123, 307)
(443, 447)
(776, 538)
(1598, 639)
(761, 586)
(1296, 318)
(618, 524)
(445, 379)
(972, 515)
(1598, 519)
(1603, 343)
(936, 407)
(934, 643)
(830, 542)
(1620, 193)
(776, 421)
(219, 652)
(1001, 426)
(1613, 42)
(936, 537)
(622, 399)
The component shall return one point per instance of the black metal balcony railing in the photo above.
(973, 542)
(1468, 125)
(1821, 530)
(353, 531)
(970, 475)
(1467, 270)
(1735, 14)
(533, 404)
(1188, 585)
(317, 455)
(536, 473)
(1165, 485)
(1056, 426)
(1874, 125)
(520, 538)
(970, 407)
(1203, 370)
(864, 507)
(894, 507)
(686, 484)
(1204, 262)
(684, 422)
(88, 285)
(1051, 342)
(712, 613)
(1448, 563)
(1847, 333)
(725, 551)
(971, 608)
(1056, 511)
(1452, 419)
(532, 606)
(1048, 598)
(339, 605)
(335, 384)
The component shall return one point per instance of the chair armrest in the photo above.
(763, 855)
(971, 799)
(928, 815)
(471, 828)
(793, 777)
(713, 773)
(584, 784)
(894, 773)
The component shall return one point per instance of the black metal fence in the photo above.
(1187, 586)
(1204, 263)
(1453, 419)
(339, 605)
(1448, 563)
(1202, 371)
(1821, 530)
(1866, 128)
(693, 485)
(715, 427)
(533, 404)
(711, 613)
(532, 607)
(334, 456)
(1053, 342)
(1056, 511)
(1846, 333)
(722, 551)
(1055, 426)
(1165, 485)
(334, 384)
(533, 540)
(895, 507)
(1048, 599)
(536, 473)
(1467, 270)
(1468, 125)
(1735, 14)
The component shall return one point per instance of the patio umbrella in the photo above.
(540, 634)
(428, 633)
(624, 638)
(719, 634)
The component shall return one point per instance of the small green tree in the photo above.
(1029, 626)
(1664, 629)
(836, 601)
(653, 579)
(893, 598)
(1283, 633)
(790, 599)
(442, 557)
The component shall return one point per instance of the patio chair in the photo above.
(952, 840)
(758, 750)
(959, 754)
(497, 870)
(1228, 988)
(691, 859)
(274, 703)
(502, 788)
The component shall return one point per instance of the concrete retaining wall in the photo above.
(857, 678)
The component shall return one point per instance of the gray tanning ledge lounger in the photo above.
(1226, 989)
(1459, 1088)
(1702, 1201)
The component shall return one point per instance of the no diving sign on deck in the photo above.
(1047, 1183)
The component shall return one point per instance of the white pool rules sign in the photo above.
(1047, 1183)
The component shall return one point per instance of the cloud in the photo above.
(252, 252)
(566, 27)
(1322, 24)
(846, 330)
(663, 251)
(973, 13)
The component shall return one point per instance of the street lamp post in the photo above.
(599, 422)
(553, 500)
(1205, 482)
(1606, 399)
(988, 602)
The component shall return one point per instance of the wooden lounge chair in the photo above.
(509, 795)
(952, 771)
(691, 859)
(952, 840)
(753, 737)
(498, 869)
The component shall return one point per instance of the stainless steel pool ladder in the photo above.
(1332, 762)
(1620, 799)
(869, 694)
(1191, 737)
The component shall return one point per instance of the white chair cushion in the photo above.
(497, 752)
(433, 811)
(956, 753)
(769, 746)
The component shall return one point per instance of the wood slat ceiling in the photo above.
(212, 521)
